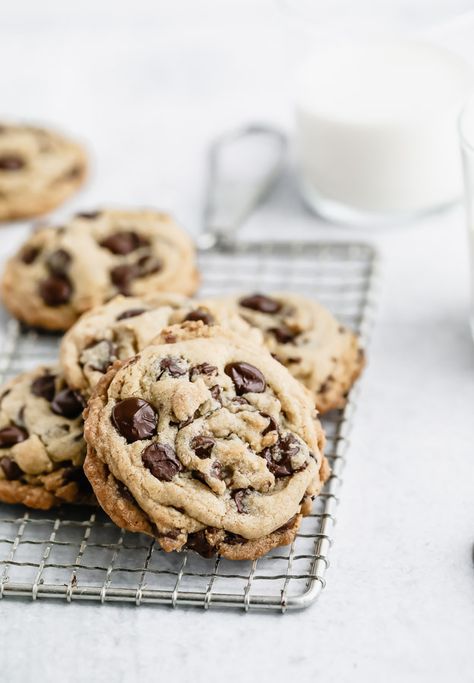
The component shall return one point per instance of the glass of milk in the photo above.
(375, 136)
(466, 131)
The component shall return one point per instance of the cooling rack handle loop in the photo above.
(243, 165)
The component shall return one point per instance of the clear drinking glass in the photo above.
(466, 132)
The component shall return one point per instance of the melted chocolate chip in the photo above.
(74, 172)
(29, 255)
(272, 425)
(199, 543)
(10, 468)
(44, 387)
(123, 243)
(172, 366)
(202, 446)
(234, 539)
(131, 313)
(215, 392)
(279, 455)
(162, 461)
(283, 334)
(11, 162)
(246, 378)
(239, 497)
(261, 303)
(122, 277)
(147, 265)
(88, 215)
(56, 290)
(217, 471)
(9, 436)
(58, 262)
(135, 419)
(202, 369)
(201, 314)
(68, 403)
(124, 491)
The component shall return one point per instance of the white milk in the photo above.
(376, 128)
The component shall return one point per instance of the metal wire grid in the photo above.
(80, 555)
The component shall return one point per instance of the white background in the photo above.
(146, 85)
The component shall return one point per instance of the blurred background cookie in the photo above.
(303, 335)
(39, 169)
(59, 273)
(41, 441)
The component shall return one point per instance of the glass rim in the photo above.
(466, 141)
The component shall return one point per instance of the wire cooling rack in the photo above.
(80, 555)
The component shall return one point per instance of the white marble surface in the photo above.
(147, 84)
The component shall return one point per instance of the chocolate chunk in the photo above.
(134, 418)
(217, 471)
(202, 446)
(68, 403)
(123, 243)
(215, 392)
(234, 539)
(199, 543)
(74, 172)
(11, 162)
(122, 277)
(11, 435)
(239, 496)
(131, 313)
(147, 265)
(279, 455)
(44, 387)
(272, 425)
(201, 314)
(124, 491)
(172, 365)
(162, 461)
(29, 255)
(58, 262)
(246, 378)
(56, 290)
(283, 334)
(88, 215)
(261, 303)
(10, 468)
(202, 369)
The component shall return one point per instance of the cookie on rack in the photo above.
(125, 325)
(305, 337)
(204, 441)
(41, 441)
(39, 169)
(59, 273)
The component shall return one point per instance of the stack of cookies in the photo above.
(193, 421)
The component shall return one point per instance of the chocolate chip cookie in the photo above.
(41, 441)
(125, 325)
(306, 338)
(39, 169)
(59, 273)
(205, 442)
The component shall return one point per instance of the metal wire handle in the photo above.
(243, 165)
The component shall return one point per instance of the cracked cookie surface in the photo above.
(125, 325)
(305, 337)
(39, 169)
(41, 441)
(205, 442)
(59, 273)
